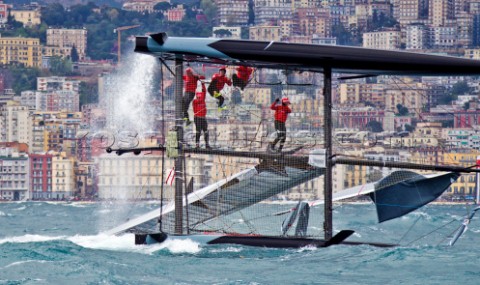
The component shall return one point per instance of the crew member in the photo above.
(191, 79)
(241, 78)
(282, 110)
(199, 113)
(216, 85)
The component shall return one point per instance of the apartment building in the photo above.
(57, 83)
(14, 173)
(265, 33)
(63, 177)
(389, 40)
(232, 13)
(68, 38)
(40, 176)
(416, 37)
(27, 17)
(26, 51)
(15, 123)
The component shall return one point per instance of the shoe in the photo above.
(187, 121)
(216, 94)
(223, 108)
(197, 145)
(208, 147)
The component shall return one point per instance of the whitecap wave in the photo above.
(228, 249)
(181, 246)
(30, 238)
(126, 242)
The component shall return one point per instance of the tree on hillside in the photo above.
(162, 6)
(374, 126)
(54, 14)
(209, 9)
(24, 78)
(344, 37)
(60, 66)
(223, 33)
(460, 88)
(74, 54)
(402, 110)
(12, 23)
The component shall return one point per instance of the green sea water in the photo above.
(62, 243)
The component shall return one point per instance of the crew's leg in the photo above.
(205, 132)
(282, 135)
(198, 129)
(236, 81)
(220, 101)
(272, 145)
(187, 99)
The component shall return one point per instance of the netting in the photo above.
(267, 191)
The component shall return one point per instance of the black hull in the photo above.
(278, 242)
(258, 241)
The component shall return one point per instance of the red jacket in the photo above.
(191, 82)
(220, 81)
(244, 72)
(199, 105)
(281, 112)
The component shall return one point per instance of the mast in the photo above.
(327, 121)
(477, 182)
(180, 158)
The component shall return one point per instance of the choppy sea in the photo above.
(62, 243)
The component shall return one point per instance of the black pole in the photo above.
(327, 121)
(179, 177)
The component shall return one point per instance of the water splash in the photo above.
(128, 92)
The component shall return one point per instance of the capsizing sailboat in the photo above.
(196, 214)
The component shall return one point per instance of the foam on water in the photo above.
(181, 246)
(126, 243)
(30, 238)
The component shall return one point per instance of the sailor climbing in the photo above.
(241, 78)
(281, 113)
(199, 113)
(217, 83)
(191, 79)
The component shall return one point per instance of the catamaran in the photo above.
(199, 214)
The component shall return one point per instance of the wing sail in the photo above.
(399, 193)
(404, 191)
(312, 57)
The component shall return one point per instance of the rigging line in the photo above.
(411, 227)
(431, 232)
(250, 226)
(450, 235)
(165, 64)
(184, 192)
